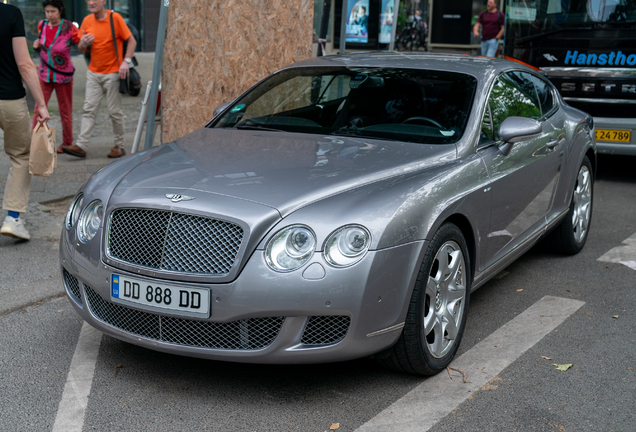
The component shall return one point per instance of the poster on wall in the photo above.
(386, 21)
(357, 21)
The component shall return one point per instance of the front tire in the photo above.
(437, 312)
(571, 234)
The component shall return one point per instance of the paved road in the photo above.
(136, 389)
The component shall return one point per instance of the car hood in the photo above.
(284, 171)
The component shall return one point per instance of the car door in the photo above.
(523, 181)
(551, 113)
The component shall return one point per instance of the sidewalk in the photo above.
(72, 172)
(31, 269)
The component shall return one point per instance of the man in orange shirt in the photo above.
(105, 69)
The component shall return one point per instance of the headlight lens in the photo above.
(290, 248)
(74, 211)
(90, 220)
(347, 245)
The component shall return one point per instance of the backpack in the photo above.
(132, 83)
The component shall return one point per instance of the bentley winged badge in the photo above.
(178, 197)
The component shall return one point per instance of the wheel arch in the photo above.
(591, 155)
(461, 221)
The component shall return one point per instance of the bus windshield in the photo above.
(532, 18)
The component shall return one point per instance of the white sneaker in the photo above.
(15, 228)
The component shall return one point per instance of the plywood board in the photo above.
(216, 50)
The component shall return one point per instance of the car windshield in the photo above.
(421, 106)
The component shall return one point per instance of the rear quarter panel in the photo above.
(579, 136)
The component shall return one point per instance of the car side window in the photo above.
(544, 92)
(485, 135)
(510, 98)
(523, 83)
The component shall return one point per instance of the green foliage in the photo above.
(507, 100)
(563, 367)
(402, 15)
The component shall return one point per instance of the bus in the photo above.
(587, 48)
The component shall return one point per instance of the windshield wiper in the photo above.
(522, 40)
(257, 127)
(358, 134)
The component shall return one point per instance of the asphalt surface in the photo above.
(37, 347)
(138, 389)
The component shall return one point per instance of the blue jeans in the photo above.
(489, 47)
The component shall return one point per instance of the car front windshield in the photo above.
(421, 106)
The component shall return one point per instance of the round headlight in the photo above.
(90, 220)
(290, 248)
(347, 245)
(74, 211)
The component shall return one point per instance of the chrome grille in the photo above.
(175, 242)
(245, 334)
(73, 285)
(325, 330)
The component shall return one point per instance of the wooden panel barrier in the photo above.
(215, 50)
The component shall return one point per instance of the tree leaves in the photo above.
(563, 367)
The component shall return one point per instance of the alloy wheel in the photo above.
(582, 204)
(444, 302)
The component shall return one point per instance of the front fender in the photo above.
(406, 208)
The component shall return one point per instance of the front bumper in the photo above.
(370, 299)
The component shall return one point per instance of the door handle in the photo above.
(552, 144)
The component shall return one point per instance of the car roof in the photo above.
(482, 68)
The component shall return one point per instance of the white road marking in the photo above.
(436, 397)
(625, 255)
(72, 408)
(630, 264)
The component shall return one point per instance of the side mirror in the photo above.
(515, 129)
(218, 110)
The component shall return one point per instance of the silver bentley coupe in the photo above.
(343, 207)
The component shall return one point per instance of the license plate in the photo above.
(613, 135)
(157, 296)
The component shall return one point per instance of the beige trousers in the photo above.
(96, 86)
(16, 124)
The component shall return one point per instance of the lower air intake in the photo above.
(72, 285)
(325, 330)
(245, 334)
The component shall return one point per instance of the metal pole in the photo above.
(430, 25)
(142, 116)
(156, 73)
(396, 10)
(343, 43)
(324, 25)
(343, 27)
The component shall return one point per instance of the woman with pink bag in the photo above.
(56, 68)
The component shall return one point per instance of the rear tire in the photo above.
(436, 317)
(571, 234)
